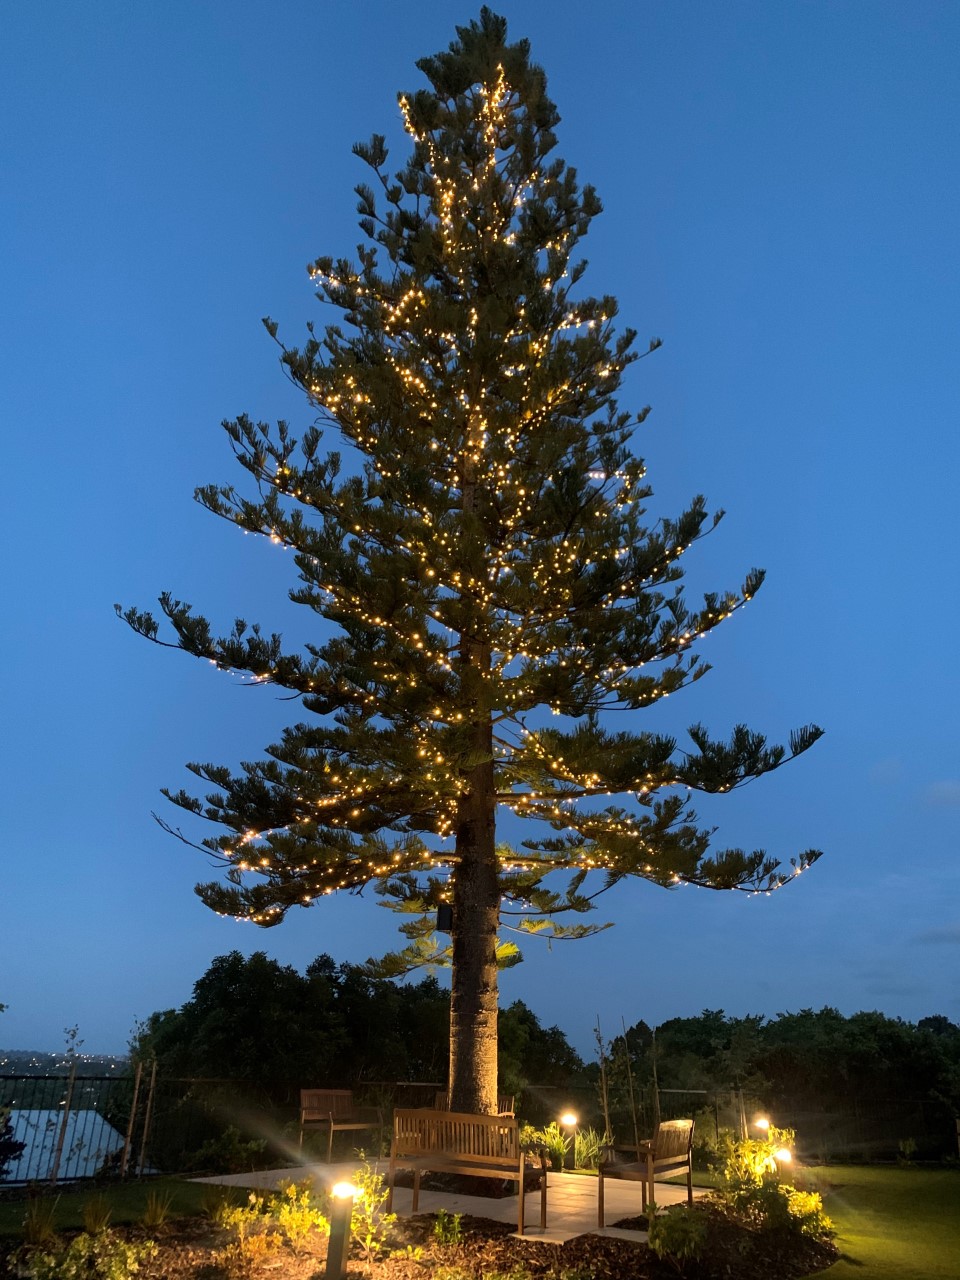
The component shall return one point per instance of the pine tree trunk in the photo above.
(476, 915)
(476, 881)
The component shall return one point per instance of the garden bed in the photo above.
(194, 1248)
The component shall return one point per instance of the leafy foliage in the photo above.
(103, 1256)
(477, 554)
(480, 556)
(446, 1228)
(369, 1221)
(296, 1210)
(678, 1235)
(754, 1186)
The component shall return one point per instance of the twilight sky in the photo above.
(781, 186)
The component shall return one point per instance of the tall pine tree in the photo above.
(481, 559)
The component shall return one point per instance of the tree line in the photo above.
(265, 1025)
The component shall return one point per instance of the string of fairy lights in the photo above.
(525, 592)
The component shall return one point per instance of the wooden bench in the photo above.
(456, 1142)
(334, 1110)
(505, 1103)
(669, 1151)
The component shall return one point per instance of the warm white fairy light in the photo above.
(407, 568)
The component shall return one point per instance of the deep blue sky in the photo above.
(781, 188)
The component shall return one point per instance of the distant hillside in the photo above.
(30, 1062)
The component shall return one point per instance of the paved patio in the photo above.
(571, 1199)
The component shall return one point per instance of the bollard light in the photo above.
(761, 1122)
(783, 1156)
(569, 1121)
(341, 1212)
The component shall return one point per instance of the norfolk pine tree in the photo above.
(483, 562)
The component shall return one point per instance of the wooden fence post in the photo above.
(148, 1116)
(55, 1167)
(133, 1115)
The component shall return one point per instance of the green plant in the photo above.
(228, 1153)
(806, 1213)
(215, 1201)
(295, 1210)
(556, 1142)
(754, 1161)
(103, 1256)
(244, 1219)
(907, 1148)
(96, 1214)
(587, 1146)
(446, 1228)
(253, 1241)
(243, 1256)
(411, 1252)
(38, 1228)
(677, 1237)
(369, 1221)
(752, 1187)
(157, 1209)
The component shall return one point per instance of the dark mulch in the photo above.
(732, 1252)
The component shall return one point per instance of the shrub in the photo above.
(10, 1148)
(678, 1236)
(228, 1153)
(369, 1221)
(296, 1212)
(252, 1242)
(752, 1186)
(103, 1256)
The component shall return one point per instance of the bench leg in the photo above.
(600, 1198)
(416, 1190)
(390, 1177)
(522, 1190)
(690, 1182)
(543, 1200)
(330, 1146)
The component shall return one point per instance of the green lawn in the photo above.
(127, 1201)
(893, 1224)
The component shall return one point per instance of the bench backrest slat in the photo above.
(478, 1139)
(335, 1102)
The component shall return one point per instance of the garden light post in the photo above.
(569, 1122)
(341, 1212)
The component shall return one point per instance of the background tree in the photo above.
(10, 1148)
(261, 1024)
(483, 559)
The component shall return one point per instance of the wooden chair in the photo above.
(334, 1110)
(668, 1152)
(505, 1103)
